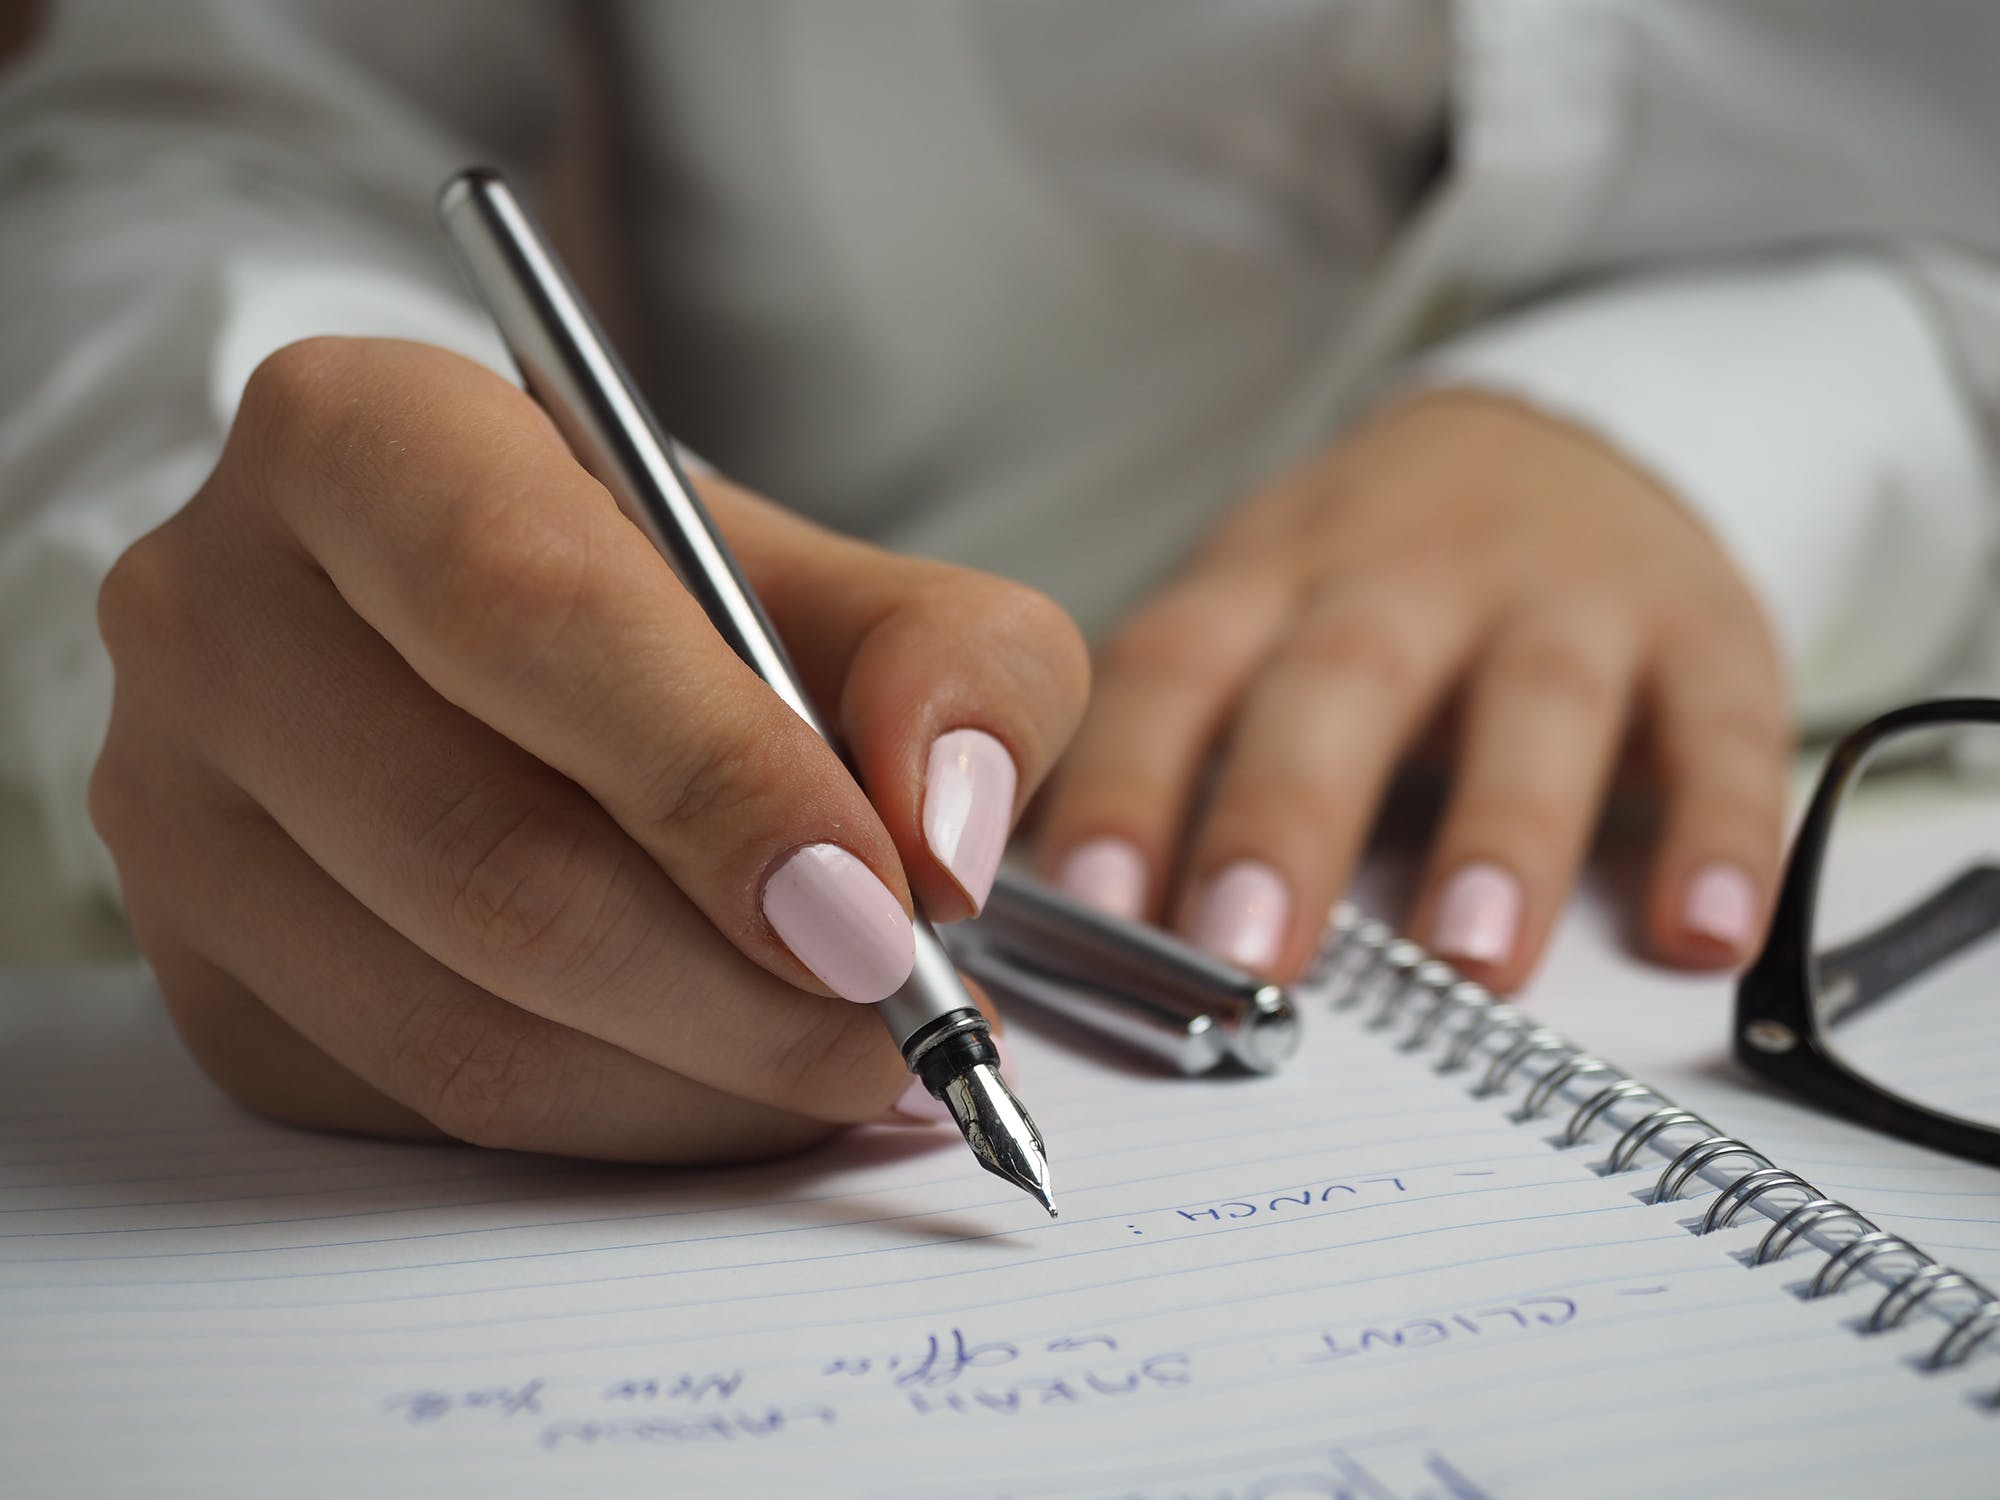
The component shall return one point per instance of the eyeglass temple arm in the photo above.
(1867, 969)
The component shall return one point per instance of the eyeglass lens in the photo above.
(1906, 924)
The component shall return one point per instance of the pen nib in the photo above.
(999, 1131)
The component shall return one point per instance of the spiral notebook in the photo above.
(1400, 1269)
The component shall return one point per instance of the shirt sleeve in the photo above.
(183, 189)
(1811, 412)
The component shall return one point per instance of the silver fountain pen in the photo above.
(569, 368)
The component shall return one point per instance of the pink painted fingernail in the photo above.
(915, 1106)
(969, 807)
(1107, 873)
(841, 922)
(1243, 914)
(1479, 915)
(1721, 905)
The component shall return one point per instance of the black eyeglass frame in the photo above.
(1778, 1034)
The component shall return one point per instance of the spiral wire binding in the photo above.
(1781, 1234)
(1546, 1087)
(1747, 1189)
(1588, 1111)
(1904, 1299)
(1365, 965)
(1465, 997)
(1688, 1165)
(1643, 1129)
(1839, 1266)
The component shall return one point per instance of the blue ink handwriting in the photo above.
(1309, 1197)
(419, 1407)
(705, 1427)
(1422, 1333)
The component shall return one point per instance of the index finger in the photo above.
(452, 519)
(956, 690)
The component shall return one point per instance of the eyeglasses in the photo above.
(1877, 995)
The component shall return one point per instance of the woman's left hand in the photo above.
(1457, 549)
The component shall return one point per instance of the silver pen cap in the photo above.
(1137, 985)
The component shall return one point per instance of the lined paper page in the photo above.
(1353, 1279)
(1672, 1031)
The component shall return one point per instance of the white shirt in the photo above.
(1042, 285)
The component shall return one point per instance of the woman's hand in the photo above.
(1459, 550)
(440, 807)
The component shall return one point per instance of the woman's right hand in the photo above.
(440, 808)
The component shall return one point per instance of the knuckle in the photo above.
(1559, 670)
(143, 600)
(1748, 739)
(323, 431)
(480, 1075)
(1020, 608)
(837, 1065)
(1733, 795)
(1358, 645)
(1049, 636)
(194, 1005)
(1725, 618)
(1520, 829)
(218, 1022)
(503, 583)
(1314, 805)
(114, 806)
(1065, 661)
(1172, 641)
(1033, 655)
(1736, 817)
(1755, 730)
(1306, 813)
(520, 879)
(1094, 789)
(293, 390)
(709, 781)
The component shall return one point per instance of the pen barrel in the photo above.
(933, 993)
(569, 367)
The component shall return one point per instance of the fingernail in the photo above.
(1721, 905)
(969, 807)
(841, 922)
(1479, 915)
(1243, 914)
(915, 1106)
(1107, 873)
